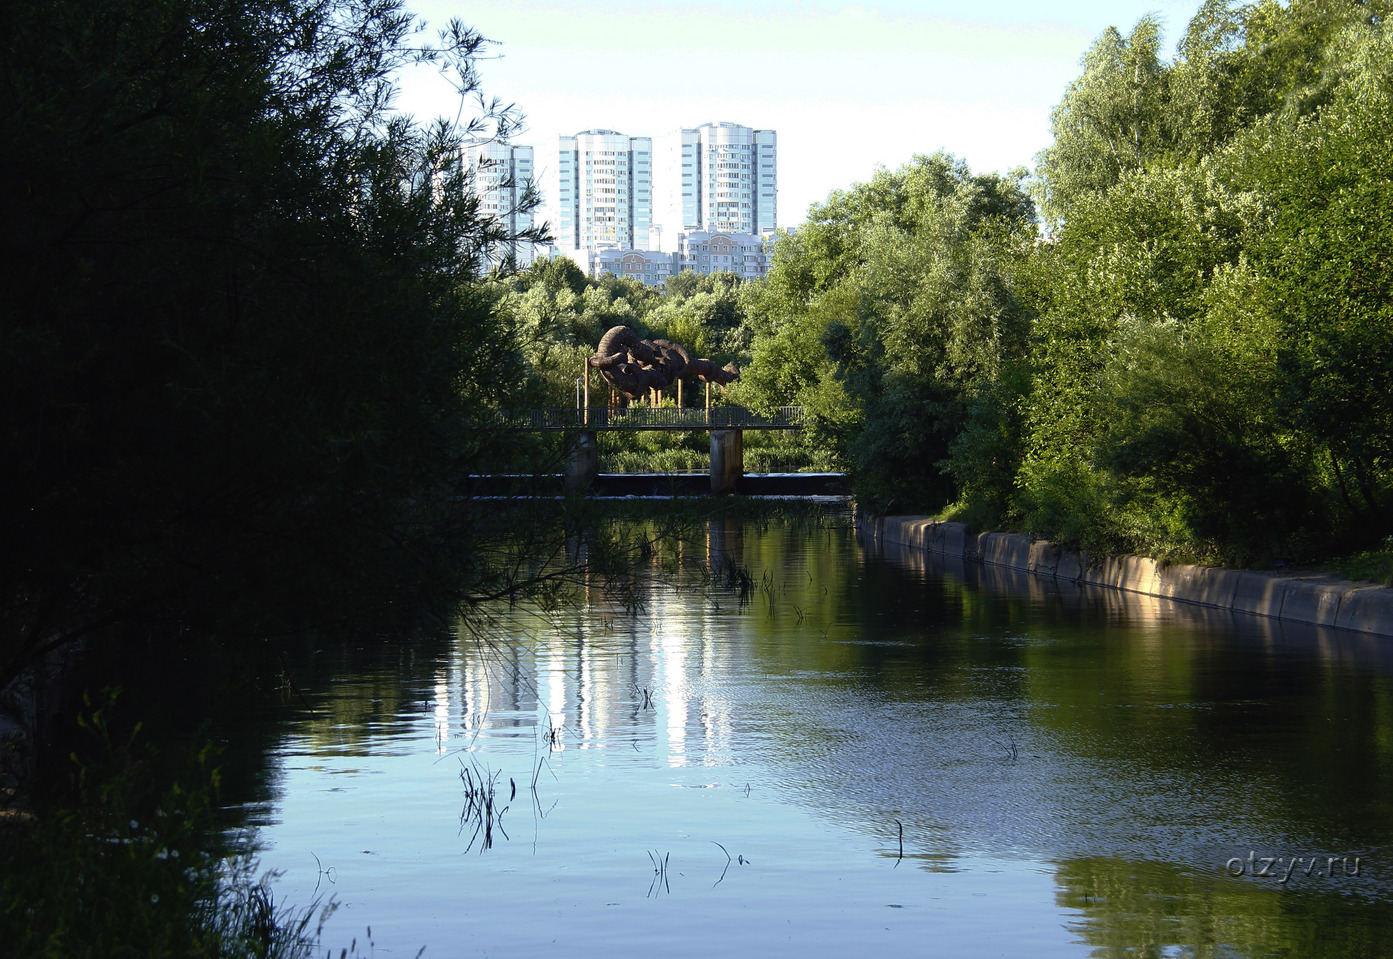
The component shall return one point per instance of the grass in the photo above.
(1369, 566)
(85, 882)
(112, 870)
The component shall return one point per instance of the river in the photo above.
(880, 754)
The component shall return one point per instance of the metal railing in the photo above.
(642, 418)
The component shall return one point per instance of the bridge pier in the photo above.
(727, 460)
(582, 463)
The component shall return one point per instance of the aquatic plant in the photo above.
(110, 870)
(482, 808)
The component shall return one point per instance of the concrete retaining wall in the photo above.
(1319, 600)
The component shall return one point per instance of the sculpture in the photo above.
(634, 366)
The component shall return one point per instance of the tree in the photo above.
(1110, 122)
(244, 329)
(1330, 250)
(705, 313)
(1205, 372)
(558, 273)
(889, 309)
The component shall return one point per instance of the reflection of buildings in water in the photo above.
(598, 684)
(668, 650)
(686, 654)
(442, 707)
(551, 694)
(605, 678)
(485, 685)
(563, 683)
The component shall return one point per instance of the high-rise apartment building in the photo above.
(604, 194)
(502, 175)
(724, 179)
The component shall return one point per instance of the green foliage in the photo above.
(1210, 368)
(244, 327)
(784, 451)
(554, 316)
(1189, 439)
(1131, 113)
(1110, 121)
(788, 365)
(1330, 250)
(1194, 364)
(132, 867)
(1154, 367)
(706, 314)
(887, 312)
(655, 452)
(985, 455)
(560, 273)
(1370, 566)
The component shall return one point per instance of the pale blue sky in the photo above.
(848, 87)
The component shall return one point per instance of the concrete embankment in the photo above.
(1316, 600)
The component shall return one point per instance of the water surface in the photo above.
(873, 754)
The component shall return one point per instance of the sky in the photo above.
(849, 88)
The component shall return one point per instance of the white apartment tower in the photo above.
(604, 194)
(728, 180)
(502, 174)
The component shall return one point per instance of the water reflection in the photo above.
(1175, 739)
(916, 747)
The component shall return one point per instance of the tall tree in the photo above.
(1111, 120)
(1198, 356)
(1330, 251)
(243, 328)
(891, 307)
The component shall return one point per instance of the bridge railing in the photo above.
(642, 418)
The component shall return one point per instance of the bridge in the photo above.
(726, 424)
(672, 418)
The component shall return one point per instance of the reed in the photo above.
(659, 883)
(114, 870)
(482, 807)
(726, 868)
(736, 577)
(1009, 747)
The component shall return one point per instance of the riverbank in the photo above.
(1315, 599)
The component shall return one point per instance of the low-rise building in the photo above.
(744, 254)
(703, 253)
(649, 267)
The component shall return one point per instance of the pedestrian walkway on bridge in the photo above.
(726, 424)
(643, 418)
